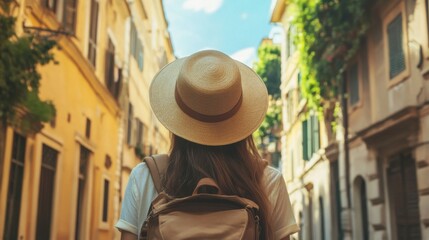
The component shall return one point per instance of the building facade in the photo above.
(65, 182)
(374, 184)
(304, 163)
(149, 50)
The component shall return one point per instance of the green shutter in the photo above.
(299, 86)
(354, 84)
(305, 140)
(315, 137)
(396, 52)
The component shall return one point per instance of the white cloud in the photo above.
(245, 55)
(208, 6)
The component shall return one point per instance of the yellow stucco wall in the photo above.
(78, 92)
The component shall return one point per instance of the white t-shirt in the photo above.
(141, 191)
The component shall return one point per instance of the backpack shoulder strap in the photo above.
(157, 167)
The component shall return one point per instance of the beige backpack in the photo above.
(202, 215)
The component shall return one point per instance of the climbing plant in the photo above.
(268, 68)
(328, 35)
(20, 56)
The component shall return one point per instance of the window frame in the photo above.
(389, 17)
(353, 107)
(104, 224)
(93, 42)
(56, 145)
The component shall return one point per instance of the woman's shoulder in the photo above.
(272, 174)
(140, 171)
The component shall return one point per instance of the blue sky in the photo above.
(235, 27)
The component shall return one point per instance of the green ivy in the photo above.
(329, 33)
(268, 67)
(19, 79)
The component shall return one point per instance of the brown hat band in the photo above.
(203, 117)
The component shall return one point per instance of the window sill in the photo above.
(403, 76)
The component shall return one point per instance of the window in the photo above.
(360, 201)
(136, 46)
(404, 197)
(82, 184)
(105, 216)
(130, 123)
(50, 4)
(290, 105)
(110, 67)
(299, 86)
(396, 51)
(46, 192)
(353, 80)
(395, 37)
(322, 219)
(290, 45)
(310, 137)
(336, 199)
(140, 129)
(427, 15)
(93, 28)
(88, 128)
(69, 15)
(14, 192)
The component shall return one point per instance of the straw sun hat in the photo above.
(209, 98)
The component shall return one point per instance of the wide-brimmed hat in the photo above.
(209, 98)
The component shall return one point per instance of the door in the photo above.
(404, 198)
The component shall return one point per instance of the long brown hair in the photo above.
(237, 168)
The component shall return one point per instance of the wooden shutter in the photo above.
(402, 182)
(105, 213)
(82, 184)
(14, 192)
(130, 123)
(353, 77)
(69, 15)
(305, 140)
(93, 28)
(396, 51)
(315, 138)
(140, 54)
(133, 37)
(364, 210)
(110, 67)
(46, 193)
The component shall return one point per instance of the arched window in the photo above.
(322, 218)
(360, 199)
(301, 226)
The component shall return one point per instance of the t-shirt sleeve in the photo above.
(284, 223)
(128, 220)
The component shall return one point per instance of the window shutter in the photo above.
(309, 138)
(110, 67)
(130, 124)
(134, 132)
(402, 182)
(305, 140)
(315, 137)
(299, 87)
(69, 15)
(92, 49)
(353, 84)
(396, 52)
